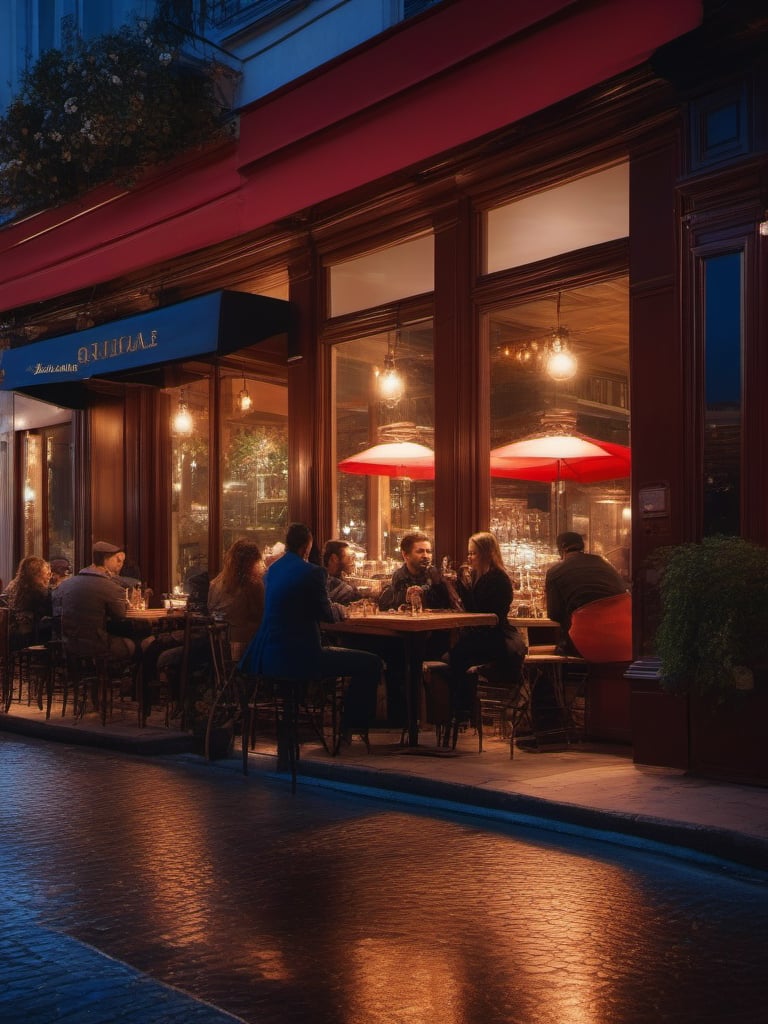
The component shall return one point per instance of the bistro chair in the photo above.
(291, 706)
(602, 630)
(6, 662)
(501, 702)
(556, 684)
(32, 665)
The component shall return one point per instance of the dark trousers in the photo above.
(364, 672)
(471, 649)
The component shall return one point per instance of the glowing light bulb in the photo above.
(561, 365)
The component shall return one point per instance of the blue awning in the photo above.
(216, 323)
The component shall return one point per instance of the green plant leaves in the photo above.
(714, 621)
(103, 109)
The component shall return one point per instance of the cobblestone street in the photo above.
(157, 890)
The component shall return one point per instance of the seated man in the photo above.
(338, 562)
(417, 571)
(92, 599)
(337, 559)
(288, 642)
(577, 579)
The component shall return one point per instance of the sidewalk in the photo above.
(590, 789)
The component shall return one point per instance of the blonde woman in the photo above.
(484, 585)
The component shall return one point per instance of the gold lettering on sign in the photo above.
(109, 348)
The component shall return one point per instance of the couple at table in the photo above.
(288, 643)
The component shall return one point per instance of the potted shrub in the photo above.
(712, 643)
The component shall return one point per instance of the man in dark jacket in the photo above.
(90, 601)
(417, 571)
(288, 643)
(577, 579)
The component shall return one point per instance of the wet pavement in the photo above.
(165, 888)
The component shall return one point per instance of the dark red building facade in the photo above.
(450, 194)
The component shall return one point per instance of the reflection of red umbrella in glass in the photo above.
(554, 457)
(404, 459)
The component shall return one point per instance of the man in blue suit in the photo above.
(288, 643)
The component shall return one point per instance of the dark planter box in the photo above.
(729, 740)
(607, 710)
(659, 719)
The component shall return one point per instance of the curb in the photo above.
(715, 847)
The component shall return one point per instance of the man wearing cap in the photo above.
(577, 579)
(92, 598)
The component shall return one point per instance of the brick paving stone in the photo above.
(48, 977)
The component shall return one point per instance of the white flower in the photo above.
(70, 105)
(165, 57)
(116, 80)
(56, 136)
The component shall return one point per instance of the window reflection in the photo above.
(380, 502)
(723, 369)
(529, 510)
(254, 484)
(189, 474)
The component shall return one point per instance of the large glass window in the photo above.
(190, 445)
(384, 440)
(560, 428)
(45, 459)
(245, 463)
(572, 216)
(383, 276)
(254, 438)
(723, 372)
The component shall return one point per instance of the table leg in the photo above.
(414, 659)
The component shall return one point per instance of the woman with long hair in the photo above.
(28, 597)
(236, 595)
(484, 585)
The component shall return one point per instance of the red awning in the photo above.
(417, 91)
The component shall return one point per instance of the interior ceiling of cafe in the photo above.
(597, 320)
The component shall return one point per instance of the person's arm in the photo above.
(115, 599)
(318, 584)
(555, 607)
(493, 593)
(391, 596)
(439, 593)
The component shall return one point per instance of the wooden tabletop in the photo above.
(403, 622)
(524, 622)
(154, 614)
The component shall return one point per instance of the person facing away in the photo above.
(288, 643)
(92, 599)
(577, 579)
(236, 595)
(484, 586)
(417, 571)
(28, 597)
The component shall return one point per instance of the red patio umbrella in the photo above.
(405, 459)
(554, 457)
